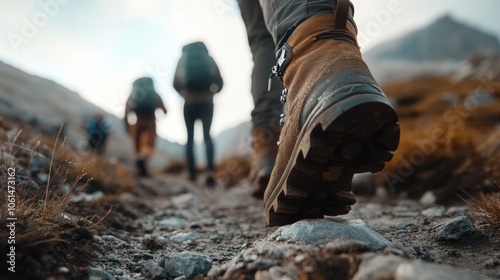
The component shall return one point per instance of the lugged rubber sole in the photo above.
(355, 135)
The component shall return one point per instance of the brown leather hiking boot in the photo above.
(265, 147)
(338, 122)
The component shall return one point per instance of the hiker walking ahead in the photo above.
(97, 131)
(197, 79)
(143, 101)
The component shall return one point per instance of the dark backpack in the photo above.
(143, 100)
(197, 70)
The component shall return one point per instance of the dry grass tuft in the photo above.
(104, 174)
(486, 208)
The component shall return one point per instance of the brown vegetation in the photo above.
(231, 171)
(46, 234)
(449, 139)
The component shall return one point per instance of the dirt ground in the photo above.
(225, 221)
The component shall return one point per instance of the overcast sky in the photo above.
(98, 47)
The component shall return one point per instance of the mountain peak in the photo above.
(444, 39)
(446, 19)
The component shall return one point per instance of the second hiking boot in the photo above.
(264, 144)
(337, 122)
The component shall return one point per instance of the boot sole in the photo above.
(355, 135)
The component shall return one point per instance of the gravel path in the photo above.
(168, 228)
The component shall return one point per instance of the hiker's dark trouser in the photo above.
(97, 141)
(283, 16)
(267, 105)
(144, 134)
(204, 111)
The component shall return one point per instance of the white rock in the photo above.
(182, 237)
(317, 232)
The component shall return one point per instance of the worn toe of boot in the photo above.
(260, 176)
(264, 143)
(350, 129)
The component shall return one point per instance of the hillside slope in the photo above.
(47, 105)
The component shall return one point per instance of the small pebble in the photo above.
(491, 264)
(42, 177)
(111, 238)
(112, 258)
(97, 273)
(405, 214)
(63, 270)
(455, 229)
(433, 212)
(402, 224)
(427, 257)
(148, 256)
(194, 226)
(182, 237)
(98, 239)
(428, 198)
(300, 258)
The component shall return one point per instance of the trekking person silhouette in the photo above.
(143, 102)
(197, 79)
(97, 131)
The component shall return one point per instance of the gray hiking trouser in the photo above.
(268, 107)
(280, 17)
(283, 16)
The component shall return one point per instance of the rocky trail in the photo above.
(167, 228)
(84, 216)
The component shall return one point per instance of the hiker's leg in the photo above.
(338, 122)
(206, 111)
(140, 138)
(149, 137)
(283, 16)
(102, 144)
(134, 134)
(189, 119)
(267, 105)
